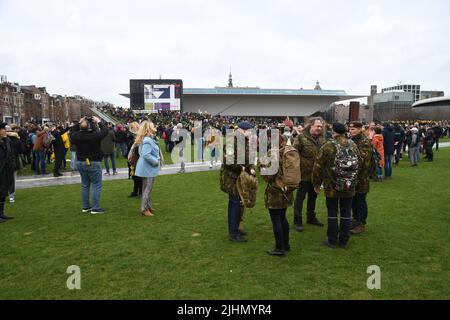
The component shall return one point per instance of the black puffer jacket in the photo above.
(6, 166)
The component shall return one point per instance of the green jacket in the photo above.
(308, 148)
(274, 198)
(229, 172)
(324, 164)
(107, 144)
(365, 149)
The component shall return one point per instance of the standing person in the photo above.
(399, 136)
(378, 144)
(87, 136)
(413, 141)
(39, 151)
(359, 203)
(107, 146)
(308, 144)
(7, 169)
(73, 150)
(148, 165)
(133, 155)
(389, 142)
(277, 201)
(339, 185)
(180, 143)
(429, 140)
(212, 143)
(121, 141)
(229, 174)
(17, 149)
(59, 149)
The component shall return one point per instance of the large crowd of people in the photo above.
(340, 159)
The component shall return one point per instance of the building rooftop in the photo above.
(258, 91)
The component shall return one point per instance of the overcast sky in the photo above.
(92, 48)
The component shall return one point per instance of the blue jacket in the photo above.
(148, 164)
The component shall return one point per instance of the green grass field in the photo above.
(183, 252)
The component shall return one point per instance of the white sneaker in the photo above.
(210, 166)
(12, 200)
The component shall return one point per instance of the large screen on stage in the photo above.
(156, 95)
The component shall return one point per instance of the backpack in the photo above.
(345, 169)
(247, 186)
(288, 177)
(133, 155)
(48, 139)
(374, 163)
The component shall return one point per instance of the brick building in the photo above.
(11, 102)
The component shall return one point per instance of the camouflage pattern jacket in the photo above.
(365, 150)
(324, 164)
(274, 197)
(229, 172)
(308, 148)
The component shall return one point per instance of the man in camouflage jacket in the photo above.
(229, 173)
(336, 201)
(308, 143)
(359, 205)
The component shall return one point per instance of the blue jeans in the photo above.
(73, 161)
(90, 175)
(121, 148)
(113, 162)
(359, 208)
(388, 165)
(39, 158)
(234, 215)
(379, 172)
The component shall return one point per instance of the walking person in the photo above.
(87, 136)
(148, 164)
(7, 169)
(339, 183)
(107, 146)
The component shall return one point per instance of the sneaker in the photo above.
(12, 200)
(98, 211)
(6, 217)
(298, 228)
(107, 174)
(210, 166)
(115, 173)
(84, 210)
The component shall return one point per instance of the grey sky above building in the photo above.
(93, 48)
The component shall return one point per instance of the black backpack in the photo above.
(344, 173)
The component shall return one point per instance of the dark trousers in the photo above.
(359, 208)
(306, 188)
(429, 151)
(388, 165)
(335, 231)
(234, 215)
(2, 205)
(59, 156)
(137, 187)
(398, 152)
(280, 228)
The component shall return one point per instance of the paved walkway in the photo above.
(27, 182)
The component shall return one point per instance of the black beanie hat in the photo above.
(339, 128)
